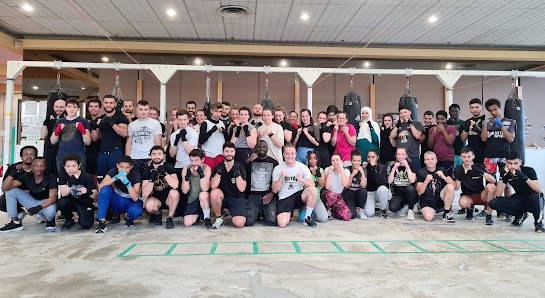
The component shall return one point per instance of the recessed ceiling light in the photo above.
(283, 63)
(171, 12)
(198, 61)
(105, 59)
(448, 66)
(432, 19)
(27, 7)
(82, 88)
(35, 87)
(366, 64)
(305, 16)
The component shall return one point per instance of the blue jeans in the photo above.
(26, 200)
(302, 154)
(106, 161)
(109, 198)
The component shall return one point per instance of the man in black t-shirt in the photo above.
(78, 192)
(469, 176)
(111, 127)
(120, 190)
(473, 128)
(160, 187)
(91, 151)
(228, 184)
(436, 190)
(37, 192)
(261, 198)
(528, 196)
(48, 127)
(14, 171)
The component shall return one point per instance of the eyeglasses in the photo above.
(29, 154)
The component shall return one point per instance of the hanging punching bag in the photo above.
(267, 102)
(206, 108)
(55, 94)
(409, 102)
(514, 110)
(352, 105)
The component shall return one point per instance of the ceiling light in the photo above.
(35, 87)
(432, 19)
(105, 59)
(305, 16)
(198, 61)
(82, 88)
(171, 12)
(27, 7)
(448, 66)
(283, 63)
(366, 64)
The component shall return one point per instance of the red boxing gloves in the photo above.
(58, 129)
(81, 129)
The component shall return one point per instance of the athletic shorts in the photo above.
(290, 203)
(435, 202)
(193, 208)
(236, 206)
(162, 198)
(476, 198)
(493, 164)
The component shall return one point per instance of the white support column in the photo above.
(163, 103)
(10, 84)
(309, 98)
(163, 73)
(309, 76)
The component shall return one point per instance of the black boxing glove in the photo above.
(93, 124)
(519, 174)
(153, 175)
(246, 129)
(200, 172)
(236, 171)
(177, 139)
(220, 168)
(238, 129)
(161, 169)
(410, 122)
(188, 175)
(398, 124)
(183, 135)
(476, 169)
(476, 128)
(318, 173)
(107, 121)
(35, 209)
(467, 125)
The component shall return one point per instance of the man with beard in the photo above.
(454, 112)
(128, 110)
(91, 151)
(48, 127)
(228, 184)
(14, 171)
(112, 128)
(257, 119)
(225, 111)
(160, 188)
(37, 192)
(195, 187)
(428, 124)
(473, 128)
(244, 137)
(212, 135)
(191, 108)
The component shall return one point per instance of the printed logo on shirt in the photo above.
(434, 187)
(142, 135)
(291, 181)
(68, 132)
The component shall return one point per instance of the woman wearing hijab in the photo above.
(368, 134)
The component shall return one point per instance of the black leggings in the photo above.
(404, 195)
(83, 206)
(355, 198)
(518, 204)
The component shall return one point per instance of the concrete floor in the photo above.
(82, 263)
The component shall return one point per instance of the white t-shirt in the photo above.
(214, 145)
(290, 185)
(278, 132)
(336, 181)
(143, 137)
(182, 158)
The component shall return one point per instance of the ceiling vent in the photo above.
(233, 11)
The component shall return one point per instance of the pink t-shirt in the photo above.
(444, 151)
(343, 147)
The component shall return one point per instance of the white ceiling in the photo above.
(462, 23)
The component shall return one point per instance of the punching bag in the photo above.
(267, 102)
(514, 110)
(410, 102)
(206, 108)
(53, 96)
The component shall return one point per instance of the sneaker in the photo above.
(501, 215)
(509, 218)
(362, 215)
(489, 220)
(40, 219)
(462, 211)
(329, 215)
(50, 226)
(170, 223)
(410, 215)
(101, 228)
(129, 223)
(449, 216)
(152, 218)
(482, 214)
(115, 218)
(21, 215)
(539, 227)
(302, 214)
(384, 214)
(11, 227)
(158, 219)
(469, 215)
(519, 220)
(67, 225)
(218, 223)
(309, 222)
(207, 223)
(403, 211)
(59, 217)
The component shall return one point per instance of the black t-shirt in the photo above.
(38, 191)
(160, 185)
(520, 186)
(355, 184)
(120, 188)
(376, 177)
(13, 172)
(472, 182)
(303, 140)
(113, 141)
(163, 128)
(260, 175)
(434, 187)
(50, 124)
(474, 136)
(497, 145)
(228, 181)
(323, 147)
(387, 151)
(93, 148)
(287, 126)
(84, 180)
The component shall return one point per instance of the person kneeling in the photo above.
(78, 192)
(528, 196)
(355, 195)
(195, 186)
(228, 184)
(160, 187)
(120, 190)
(436, 190)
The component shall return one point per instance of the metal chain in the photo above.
(408, 86)
(266, 85)
(117, 88)
(207, 86)
(58, 87)
(351, 82)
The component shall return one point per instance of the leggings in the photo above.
(83, 206)
(355, 198)
(518, 204)
(404, 195)
(381, 196)
(336, 204)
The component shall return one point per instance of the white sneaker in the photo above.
(40, 219)
(403, 211)
(410, 215)
(218, 223)
(362, 215)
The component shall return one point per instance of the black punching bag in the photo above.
(53, 96)
(514, 110)
(352, 107)
(267, 102)
(409, 102)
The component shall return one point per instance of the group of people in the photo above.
(263, 164)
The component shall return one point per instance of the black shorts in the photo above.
(290, 203)
(236, 206)
(193, 208)
(161, 197)
(431, 202)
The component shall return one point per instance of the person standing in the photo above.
(48, 127)
(343, 138)
(407, 134)
(128, 110)
(308, 136)
(441, 140)
(273, 134)
(244, 137)
(183, 141)
(225, 113)
(387, 145)
(91, 151)
(368, 135)
(191, 108)
(424, 138)
(280, 118)
(212, 135)
(454, 120)
(473, 128)
(325, 139)
(257, 116)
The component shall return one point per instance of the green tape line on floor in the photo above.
(242, 248)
